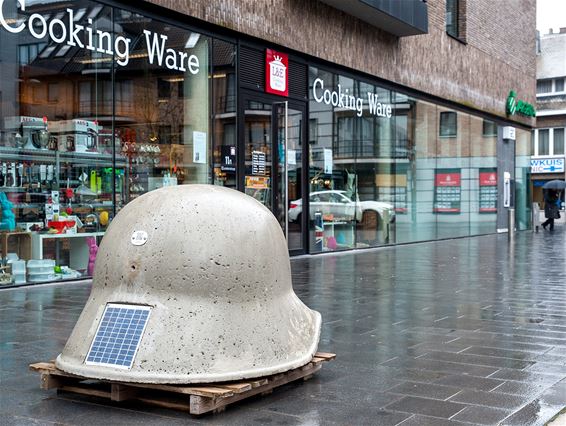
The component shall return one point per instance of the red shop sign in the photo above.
(488, 178)
(276, 73)
(447, 179)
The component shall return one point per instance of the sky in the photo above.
(550, 14)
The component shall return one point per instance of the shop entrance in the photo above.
(274, 135)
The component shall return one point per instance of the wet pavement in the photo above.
(465, 331)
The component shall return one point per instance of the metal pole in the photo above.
(511, 225)
(286, 189)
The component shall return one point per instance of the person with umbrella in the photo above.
(551, 193)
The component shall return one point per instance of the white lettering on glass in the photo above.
(63, 30)
(174, 60)
(74, 30)
(154, 48)
(8, 28)
(343, 99)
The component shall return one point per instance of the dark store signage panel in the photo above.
(258, 163)
(228, 158)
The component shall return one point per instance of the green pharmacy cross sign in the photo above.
(517, 106)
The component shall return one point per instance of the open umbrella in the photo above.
(555, 184)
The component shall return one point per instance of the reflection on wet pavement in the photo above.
(441, 333)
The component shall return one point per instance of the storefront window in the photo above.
(332, 178)
(452, 178)
(224, 106)
(415, 220)
(379, 185)
(163, 120)
(98, 106)
(408, 170)
(352, 168)
(56, 145)
(522, 179)
(483, 176)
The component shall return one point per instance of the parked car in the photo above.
(340, 206)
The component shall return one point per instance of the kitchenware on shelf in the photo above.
(40, 138)
(40, 270)
(15, 140)
(61, 225)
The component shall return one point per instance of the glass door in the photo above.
(274, 132)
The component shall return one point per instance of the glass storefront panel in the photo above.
(344, 131)
(483, 174)
(523, 196)
(98, 106)
(431, 170)
(382, 139)
(452, 175)
(56, 144)
(290, 183)
(331, 153)
(92, 119)
(224, 110)
(258, 151)
(164, 124)
(415, 220)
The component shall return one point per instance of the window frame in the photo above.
(553, 85)
(452, 27)
(554, 153)
(487, 134)
(441, 126)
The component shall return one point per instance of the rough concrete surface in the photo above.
(213, 266)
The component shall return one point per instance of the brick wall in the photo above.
(551, 121)
(499, 54)
(557, 102)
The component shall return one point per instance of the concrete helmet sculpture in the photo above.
(192, 284)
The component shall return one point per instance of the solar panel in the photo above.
(118, 336)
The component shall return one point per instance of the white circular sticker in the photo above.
(139, 238)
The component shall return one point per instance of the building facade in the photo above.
(357, 126)
(547, 162)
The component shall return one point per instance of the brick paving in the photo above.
(465, 331)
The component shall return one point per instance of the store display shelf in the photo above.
(28, 205)
(37, 205)
(12, 189)
(93, 205)
(79, 250)
(39, 155)
(91, 159)
(44, 155)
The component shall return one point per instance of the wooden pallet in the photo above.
(196, 399)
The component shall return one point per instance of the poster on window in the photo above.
(327, 161)
(488, 191)
(199, 147)
(447, 191)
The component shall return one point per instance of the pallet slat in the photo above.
(196, 399)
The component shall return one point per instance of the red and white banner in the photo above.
(276, 73)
